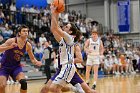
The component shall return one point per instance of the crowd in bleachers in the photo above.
(119, 56)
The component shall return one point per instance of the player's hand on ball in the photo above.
(53, 8)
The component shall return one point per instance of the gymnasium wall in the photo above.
(106, 14)
(93, 9)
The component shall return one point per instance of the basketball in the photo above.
(60, 5)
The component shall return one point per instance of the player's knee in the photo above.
(23, 83)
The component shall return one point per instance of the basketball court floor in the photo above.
(108, 84)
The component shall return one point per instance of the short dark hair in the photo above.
(78, 35)
(21, 27)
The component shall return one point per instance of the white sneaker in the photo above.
(133, 72)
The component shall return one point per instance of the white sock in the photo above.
(72, 88)
(79, 88)
(94, 83)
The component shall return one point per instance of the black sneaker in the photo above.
(94, 87)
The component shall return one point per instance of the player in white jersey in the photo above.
(66, 50)
(94, 50)
(79, 86)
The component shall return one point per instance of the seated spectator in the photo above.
(108, 64)
(7, 32)
(115, 64)
(38, 51)
(42, 39)
(130, 68)
(123, 64)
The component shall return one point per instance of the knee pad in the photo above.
(23, 83)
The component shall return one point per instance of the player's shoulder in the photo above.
(10, 40)
(28, 44)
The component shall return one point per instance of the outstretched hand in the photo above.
(38, 63)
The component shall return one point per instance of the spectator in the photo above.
(38, 51)
(42, 39)
(7, 33)
(108, 64)
(48, 60)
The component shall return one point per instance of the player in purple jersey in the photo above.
(14, 49)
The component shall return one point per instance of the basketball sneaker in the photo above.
(78, 88)
(94, 86)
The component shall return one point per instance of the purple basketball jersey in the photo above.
(12, 57)
(10, 62)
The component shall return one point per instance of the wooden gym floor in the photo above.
(108, 84)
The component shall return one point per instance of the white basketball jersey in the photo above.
(66, 52)
(94, 47)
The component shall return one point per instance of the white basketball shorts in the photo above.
(65, 75)
(93, 60)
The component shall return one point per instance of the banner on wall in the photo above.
(124, 16)
(37, 3)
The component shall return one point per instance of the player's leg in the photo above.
(4, 74)
(76, 82)
(46, 88)
(95, 68)
(66, 74)
(88, 69)
(3, 80)
(86, 88)
(20, 76)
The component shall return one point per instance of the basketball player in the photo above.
(77, 82)
(94, 50)
(66, 52)
(14, 49)
(67, 88)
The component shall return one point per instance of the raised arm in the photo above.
(55, 28)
